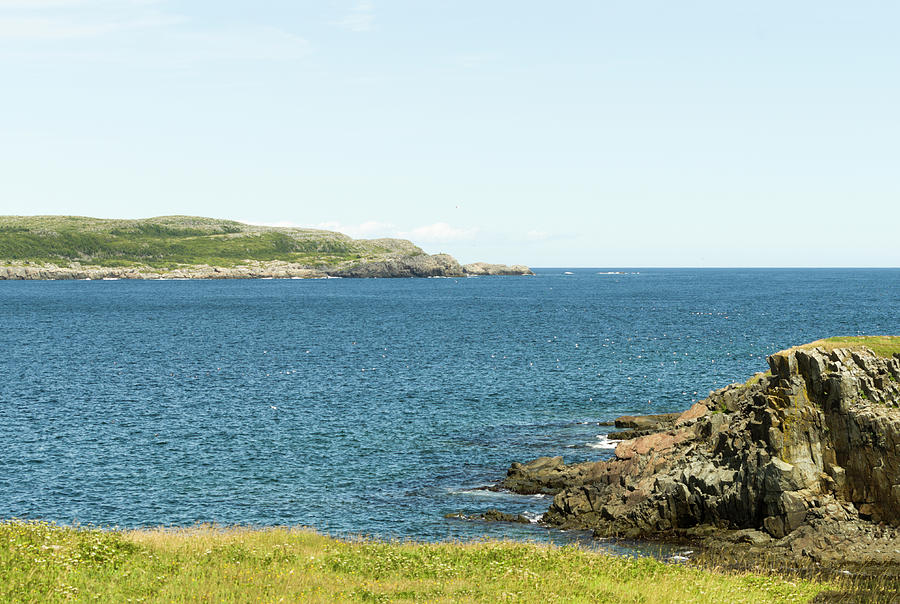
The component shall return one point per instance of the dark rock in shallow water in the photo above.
(643, 422)
(801, 458)
(545, 475)
(492, 515)
(641, 425)
(630, 434)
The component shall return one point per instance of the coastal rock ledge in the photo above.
(418, 265)
(805, 458)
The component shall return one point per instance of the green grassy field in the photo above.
(170, 241)
(42, 562)
(884, 346)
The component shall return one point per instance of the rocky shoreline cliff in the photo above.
(803, 461)
(424, 265)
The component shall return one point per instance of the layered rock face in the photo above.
(814, 444)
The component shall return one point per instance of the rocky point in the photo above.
(804, 459)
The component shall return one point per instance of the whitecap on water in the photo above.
(488, 493)
(479, 492)
(603, 442)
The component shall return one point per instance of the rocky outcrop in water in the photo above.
(491, 515)
(642, 425)
(547, 476)
(437, 265)
(421, 265)
(479, 269)
(806, 458)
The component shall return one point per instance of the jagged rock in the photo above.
(492, 515)
(422, 265)
(483, 268)
(643, 422)
(438, 265)
(409, 265)
(640, 425)
(812, 449)
(545, 475)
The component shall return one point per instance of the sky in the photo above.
(579, 133)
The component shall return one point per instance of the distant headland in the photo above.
(192, 247)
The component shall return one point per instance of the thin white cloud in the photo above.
(439, 232)
(360, 18)
(472, 60)
(43, 20)
(163, 42)
(38, 4)
(40, 28)
(536, 235)
(42, 4)
(249, 44)
(371, 229)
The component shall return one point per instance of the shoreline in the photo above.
(797, 463)
(412, 267)
(51, 563)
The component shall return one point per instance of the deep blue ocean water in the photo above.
(370, 406)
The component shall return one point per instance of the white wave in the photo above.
(493, 494)
(479, 493)
(603, 442)
(533, 518)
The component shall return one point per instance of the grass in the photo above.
(884, 346)
(42, 562)
(170, 241)
(757, 377)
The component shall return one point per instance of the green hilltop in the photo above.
(883, 346)
(171, 241)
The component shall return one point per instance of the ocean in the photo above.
(372, 407)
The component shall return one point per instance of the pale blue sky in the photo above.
(604, 134)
